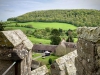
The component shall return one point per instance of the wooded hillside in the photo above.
(77, 17)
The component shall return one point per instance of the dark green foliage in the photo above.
(74, 33)
(50, 61)
(47, 29)
(60, 30)
(29, 32)
(55, 40)
(69, 34)
(2, 25)
(28, 26)
(55, 37)
(41, 33)
(69, 39)
(16, 25)
(55, 32)
(77, 17)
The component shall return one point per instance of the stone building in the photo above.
(64, 48)
(15, 53)
(59, 50)
(42, 48)
(88, 49)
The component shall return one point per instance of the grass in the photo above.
(22, 28)
(43, 25)
(36, 55)
(46, 59)
(75, 40)
(43, 41)
(37, 41)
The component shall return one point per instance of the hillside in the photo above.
(77, 17)
(39, 32)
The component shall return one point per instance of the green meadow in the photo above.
(40, 25)
(37, 41)
(43, 25)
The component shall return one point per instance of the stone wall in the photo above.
(64, 48)
(35, 64)
(4, 64)
(15, 47)
(43, 70)
(65, 65)
(88, 49)
(25, 64)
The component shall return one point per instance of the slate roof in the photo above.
(71, 45)
(44, 47)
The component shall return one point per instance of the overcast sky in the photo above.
(13, 8)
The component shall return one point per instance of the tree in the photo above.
(55, 37)
(1, 26)
(55, 32)
(69, 34)
(47, 29)
(69, 39)
(75, 17)
(55, 40)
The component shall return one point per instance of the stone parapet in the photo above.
(65, 64)
(14, 38)
(89, 33)
(43, 70)
(15, 47)
(88, 50)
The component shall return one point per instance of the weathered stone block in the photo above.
(98, 50)
(65, 65)
(89, 33)
(79, 67)
(15, 47)
(43, 70)
(87, 62)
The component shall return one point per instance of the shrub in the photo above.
(29, 26)
(50, 61)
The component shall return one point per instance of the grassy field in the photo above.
(37, 41)
(43, 25)
(46, 59)
(44, 41)
(22, 28)
(36, 55)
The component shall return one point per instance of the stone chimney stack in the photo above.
(88, 49)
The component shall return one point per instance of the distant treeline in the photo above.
(77, 17)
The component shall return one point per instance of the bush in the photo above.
(50, 61)
(29, 26)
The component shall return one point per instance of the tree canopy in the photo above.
(77, 17)
(55, 37)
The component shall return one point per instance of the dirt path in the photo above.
(37, 57)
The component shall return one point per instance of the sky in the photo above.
(14, 8)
